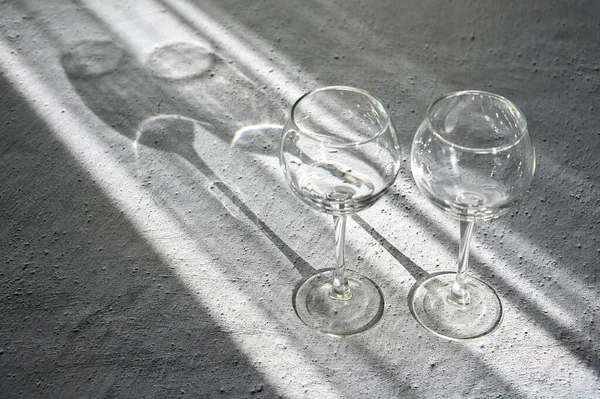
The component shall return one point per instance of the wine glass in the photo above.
(472, 157)
(339, 153)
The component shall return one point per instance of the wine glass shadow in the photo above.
(415, 270)
(111, 85)
(92, 59)
(126, 97)
(119, 322)
(182, 78)
(175, 134)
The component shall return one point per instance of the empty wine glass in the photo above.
(339, 153)
(472, 157)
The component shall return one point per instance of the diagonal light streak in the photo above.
(229, 42)
(125, 192)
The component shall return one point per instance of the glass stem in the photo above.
(340, 290)
(460, 294)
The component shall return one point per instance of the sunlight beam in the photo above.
(96, 158)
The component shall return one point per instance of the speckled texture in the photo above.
(148, 250)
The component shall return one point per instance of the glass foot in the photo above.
(429, 304)
(317, 309)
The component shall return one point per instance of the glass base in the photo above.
(430, 305)
(317, 309)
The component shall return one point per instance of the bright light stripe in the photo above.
(262, 68)
(132, 27)
(142, 32)
(95, 157)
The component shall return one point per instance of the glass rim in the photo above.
(316, 137)
(479, 150)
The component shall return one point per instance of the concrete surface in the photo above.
(150, 251)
